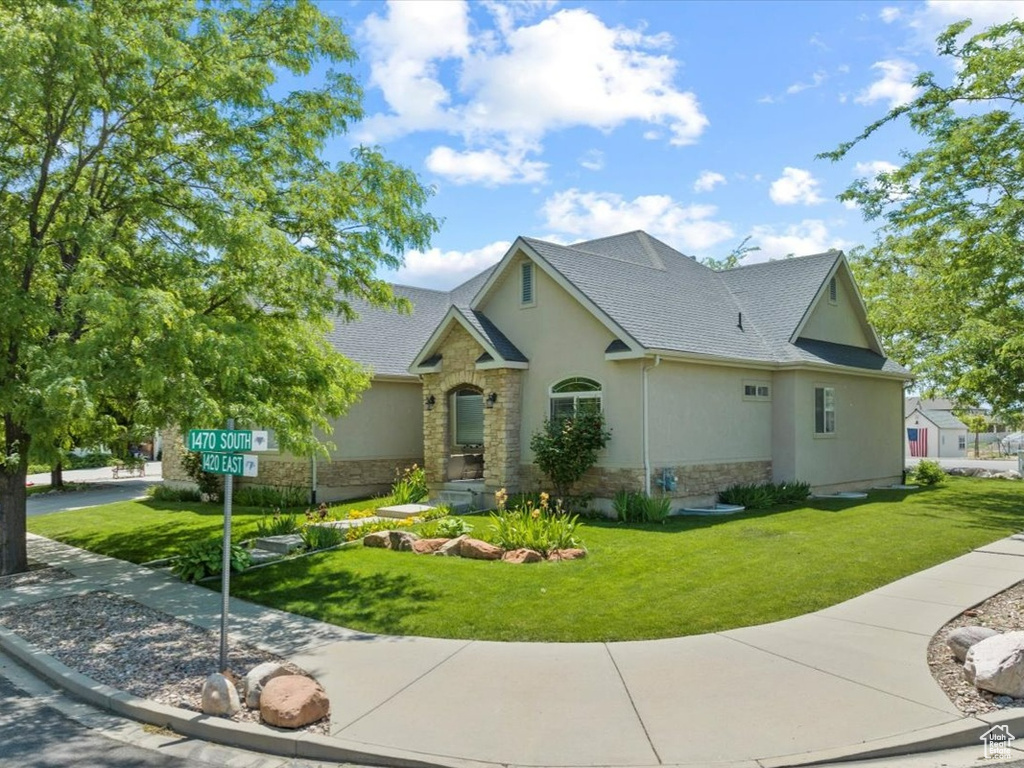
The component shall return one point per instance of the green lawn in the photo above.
(639, 581)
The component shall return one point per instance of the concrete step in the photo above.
(282, 545)
(403, 511)
(458, 501)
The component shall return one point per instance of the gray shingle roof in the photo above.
(943, 419)
(661, 298)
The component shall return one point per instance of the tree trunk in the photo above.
(57, 477)
(13, 551)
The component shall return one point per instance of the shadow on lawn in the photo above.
(320, 588)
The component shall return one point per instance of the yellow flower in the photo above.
(544, 500)
(535, 514)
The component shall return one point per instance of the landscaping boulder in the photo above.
(292, 701)
(522, 556)
(451, 547)
(996, 664)
(377, 539)
(257, 678)
(401, 541)
(961, 639)
(220, 697)
(566, 554)
(428, 546)
(474, 549)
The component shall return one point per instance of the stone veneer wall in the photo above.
(695, 480)
(173, 450)
(459, 352)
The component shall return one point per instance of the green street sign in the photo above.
(227, 440)
(237, 464)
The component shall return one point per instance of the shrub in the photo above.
(749, 495)
(166, 493)
(566, 448)
(270, 497)
(276, 525)
(632, 507)
(656, 508)
(792, 492)
(436, 513)
(929, 472)
(534, 527)
(410, 486)
(321, 536)
(209, 484)
(446, 528)
(203, 558)
(92, 460)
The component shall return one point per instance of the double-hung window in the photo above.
(824, 410)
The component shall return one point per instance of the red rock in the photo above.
(452, 547)
(518, 556)
(292, 701)
(474, 549)
(428, 546)
(567, 554)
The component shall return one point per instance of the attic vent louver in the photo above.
(526, 298)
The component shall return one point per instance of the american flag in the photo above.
(918, 439)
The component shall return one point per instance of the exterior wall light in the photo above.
(491, 400)
(429, 402)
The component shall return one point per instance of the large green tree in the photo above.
(944, 281)
(173, 243)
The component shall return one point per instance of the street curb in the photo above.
(215, 729)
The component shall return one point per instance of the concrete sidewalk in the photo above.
(851, 680)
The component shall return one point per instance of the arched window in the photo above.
(571, 396)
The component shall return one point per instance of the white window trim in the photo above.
(576, 397)
(532, 268)
(825, 411)
(757, 384)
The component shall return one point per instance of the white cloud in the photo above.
(938, 14)
(816, 41)
(895, 85)
(889, 14)
(592, 160)
(707, 181)
(503, 92)
(874, 167)
(795, 186)
(807, 237)
(767, 99)
(446, 269)
(488, 166)
(588, 215)
(817, 79)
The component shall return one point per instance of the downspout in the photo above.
(646, 430)
(312, 490)
(903, 430)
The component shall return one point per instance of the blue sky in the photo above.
(698, 122)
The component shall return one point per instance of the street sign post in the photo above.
(221, 454)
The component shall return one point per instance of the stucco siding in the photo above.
(839, 322)
(866, 445)
(561, 338)
(698, 415)
(386, 423)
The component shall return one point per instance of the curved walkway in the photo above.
(849, 680)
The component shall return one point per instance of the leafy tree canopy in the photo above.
(173, 242)
(943, 282)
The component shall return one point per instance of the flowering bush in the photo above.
(533, 526)
(566, 448)
(410, 486)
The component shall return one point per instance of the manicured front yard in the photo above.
(690, 576)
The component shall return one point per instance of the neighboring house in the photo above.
(950, 407)
(769, 371)
(936, 434)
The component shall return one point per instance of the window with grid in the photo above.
(824, 410)
(575, 395)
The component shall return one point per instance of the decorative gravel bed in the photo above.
(37, 574)
(1000, 612)
(126, 645)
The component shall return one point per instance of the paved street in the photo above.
(104, 489)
